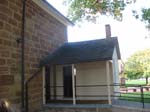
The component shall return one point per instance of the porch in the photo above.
(84, 83)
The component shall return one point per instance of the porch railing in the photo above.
(135, 93)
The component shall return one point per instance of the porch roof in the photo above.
(84, 51)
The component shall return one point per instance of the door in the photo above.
(47, 84)
(67, 79)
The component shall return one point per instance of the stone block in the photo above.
(1, 25)
(2, 61)
(6, 80)
(5, 10)
(4, 2)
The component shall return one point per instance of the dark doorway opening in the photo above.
(47, 83)
(67, 79)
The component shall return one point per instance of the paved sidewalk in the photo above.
(130, 104)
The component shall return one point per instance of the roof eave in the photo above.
(53, 12)
(81, 61)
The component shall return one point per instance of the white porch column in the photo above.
(73, 85)
(108, 81)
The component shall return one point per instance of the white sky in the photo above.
(130, 32)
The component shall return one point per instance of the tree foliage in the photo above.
(90, 10)
(138, 65)
(145, 16)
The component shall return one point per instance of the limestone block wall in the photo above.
(43, 34)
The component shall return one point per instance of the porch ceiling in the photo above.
(85, 51)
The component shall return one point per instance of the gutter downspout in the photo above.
(22, 56)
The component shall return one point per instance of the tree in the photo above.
(90, 9)
(138, 65)
(145, 16)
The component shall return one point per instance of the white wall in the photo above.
(59, 81)
(92, 73)
(115, 70)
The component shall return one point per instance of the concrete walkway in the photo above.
(130, 104)
(117, 106)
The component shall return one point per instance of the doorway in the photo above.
(67, 80)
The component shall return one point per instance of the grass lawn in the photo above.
(135, 82)
(136, 97)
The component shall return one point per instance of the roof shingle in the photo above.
(85, 51)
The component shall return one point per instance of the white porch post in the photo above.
(108, 81)
(73, 85)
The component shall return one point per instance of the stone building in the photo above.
(45, 30)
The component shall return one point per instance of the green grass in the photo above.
(135, 82)
(136, 97)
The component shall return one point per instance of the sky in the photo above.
(131, 33)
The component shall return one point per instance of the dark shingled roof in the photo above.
(85, 51)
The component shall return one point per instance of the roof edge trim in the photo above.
(53, 12)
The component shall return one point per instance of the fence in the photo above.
(97, 93)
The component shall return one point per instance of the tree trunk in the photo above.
(146, 80)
